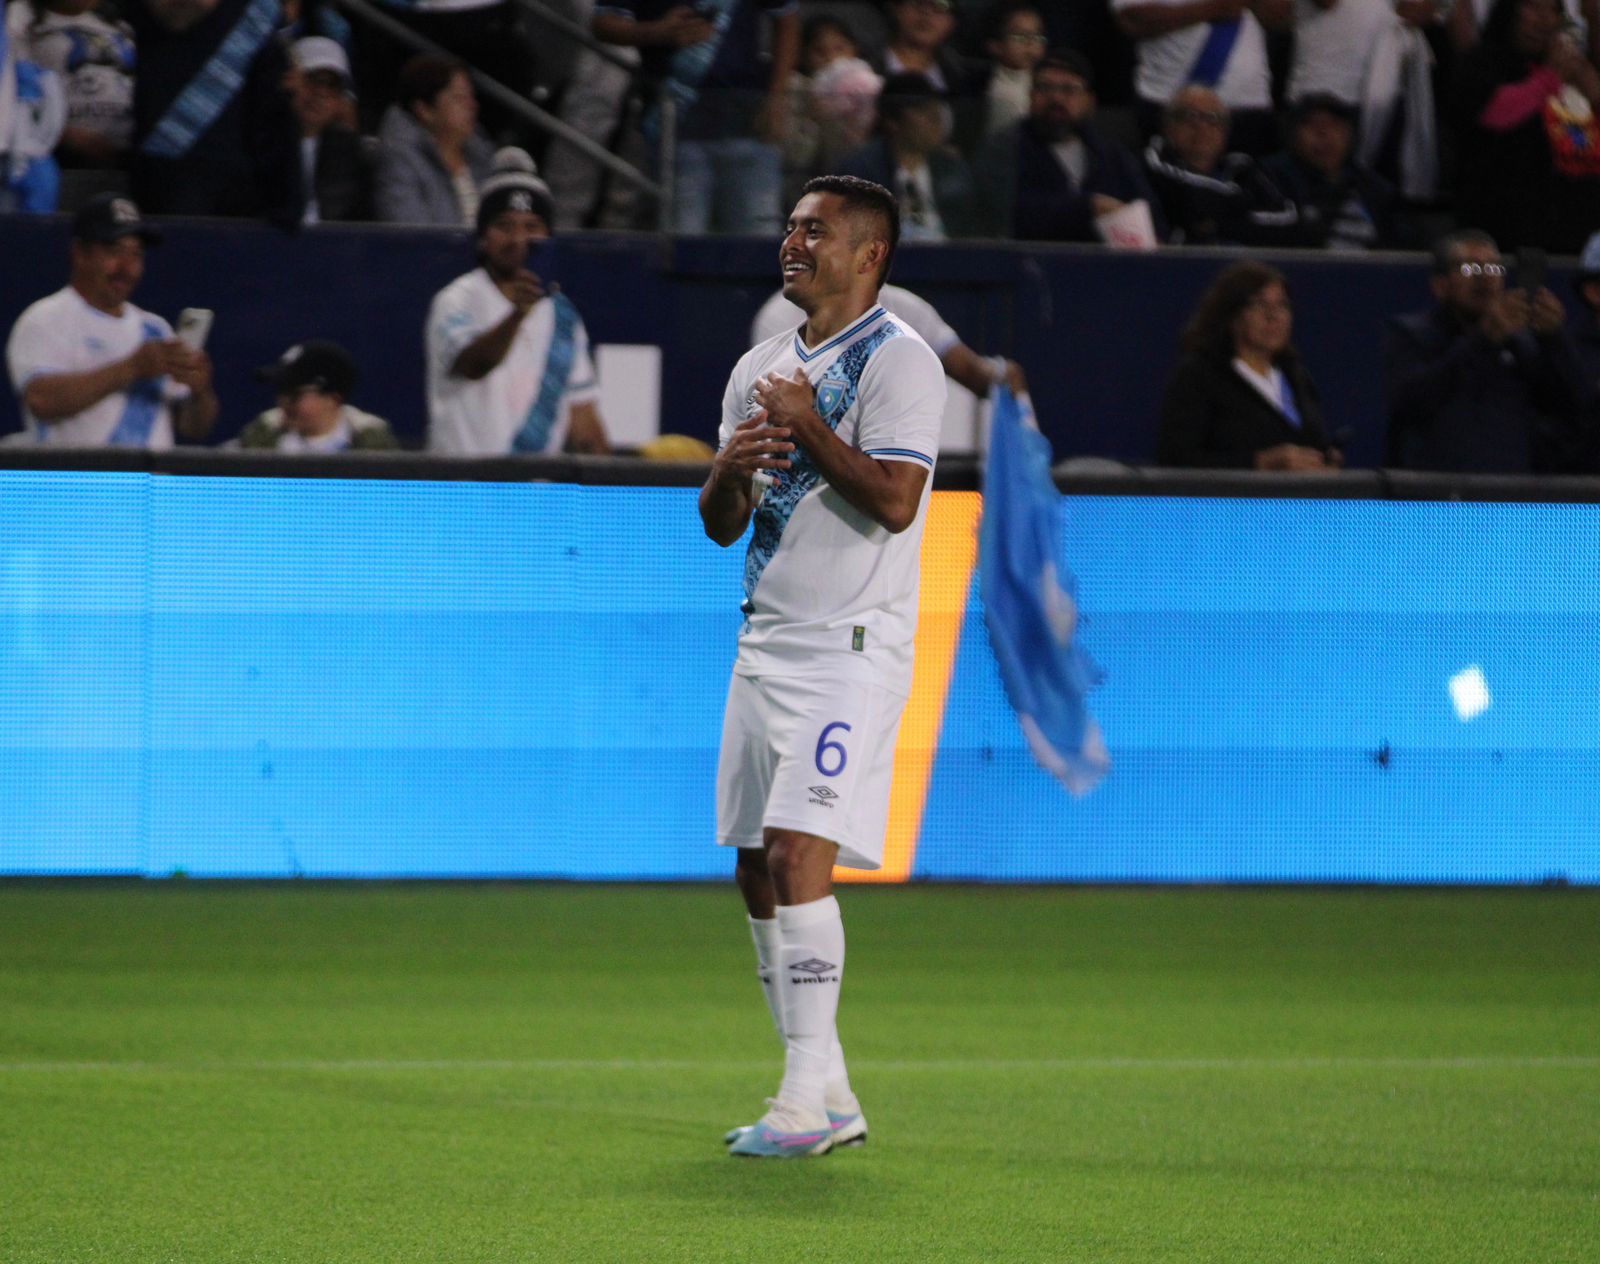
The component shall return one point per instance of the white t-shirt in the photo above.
(486, 417)
(779, 316)
(1333, 47)
(63, 334)
(1164, 62)
(95, 59)
(828, 591)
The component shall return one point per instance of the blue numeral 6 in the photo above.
(824, 745)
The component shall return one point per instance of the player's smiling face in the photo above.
(817, 258)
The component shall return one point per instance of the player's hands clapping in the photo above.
(756, 445)
(788, 400)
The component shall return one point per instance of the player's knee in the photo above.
(791, 855)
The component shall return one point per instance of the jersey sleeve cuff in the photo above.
(899, 454)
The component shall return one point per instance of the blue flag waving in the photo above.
(1030, 601)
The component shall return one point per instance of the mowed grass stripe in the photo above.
(987, 1066)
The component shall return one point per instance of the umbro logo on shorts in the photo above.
(824, 796)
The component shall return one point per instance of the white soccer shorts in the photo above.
(808, 754)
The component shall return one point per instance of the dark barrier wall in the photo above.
(1096, 331)
(393, 677)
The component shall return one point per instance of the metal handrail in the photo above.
(514, 102)
(579, 32)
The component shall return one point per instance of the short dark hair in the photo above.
(1068, 61)
(820, 22)
(1209, 332)
(1446, 248)
(425, 76)
(865, 199)
(1001, 12)
(904, 92)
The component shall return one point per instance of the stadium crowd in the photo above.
(1339, 125)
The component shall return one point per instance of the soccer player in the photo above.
(829, 436)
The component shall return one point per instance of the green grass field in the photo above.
(212, 1073)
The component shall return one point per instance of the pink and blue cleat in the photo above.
(848, 1130)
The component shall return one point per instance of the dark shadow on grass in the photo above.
(785, 1189)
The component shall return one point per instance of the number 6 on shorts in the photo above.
(827, 748)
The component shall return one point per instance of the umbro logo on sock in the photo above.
(814, 970)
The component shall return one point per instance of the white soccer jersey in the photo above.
(828, 591)
(64, 334)
(1166, 62)
(778, 316)
(525, 403)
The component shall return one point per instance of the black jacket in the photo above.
(1319, 201)
(1032, 198)
(1459, 403)
(1236, 205)
(954, 192)
(1211, 418)
(345, 176)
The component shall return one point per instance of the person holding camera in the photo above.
(91, 369)
(509, 369)
(1488, 380)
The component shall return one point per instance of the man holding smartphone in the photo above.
(90, 368)
(1488, 381)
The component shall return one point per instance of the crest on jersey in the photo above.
(829, 393)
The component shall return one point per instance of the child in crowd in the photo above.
(1016, 44)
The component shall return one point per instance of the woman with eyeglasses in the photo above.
(1529, 142)
(1240, 397)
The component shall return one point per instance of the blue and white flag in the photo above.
(1030, 601)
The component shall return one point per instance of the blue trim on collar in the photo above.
(807, 356)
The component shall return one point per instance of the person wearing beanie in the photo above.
(313, 381)
(509, 369)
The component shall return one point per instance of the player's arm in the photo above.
(888, 492)
(482, 356)
(728, 498)
(58, 396)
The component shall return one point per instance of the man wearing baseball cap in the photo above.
(508, 362)
(313, 381)
(337, 170)
(91, 368)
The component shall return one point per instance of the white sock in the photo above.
(809, 969)
(840, 1099)
(764, 930)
